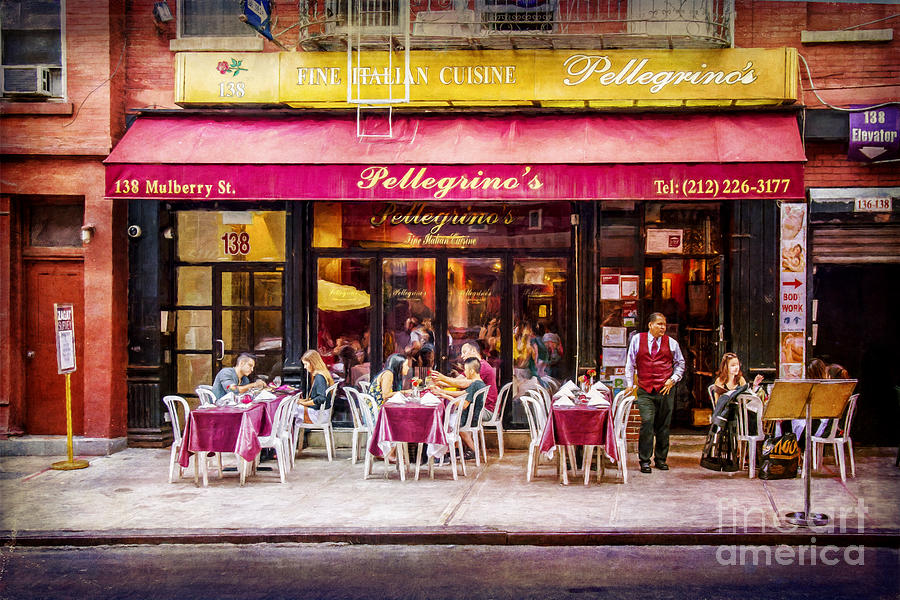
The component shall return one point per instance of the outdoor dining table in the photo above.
(411, 422)
(579, 425)
(233, 428)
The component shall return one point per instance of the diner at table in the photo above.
(236, 379)
(472, 404)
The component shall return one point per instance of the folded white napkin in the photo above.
(397, 398)
(564, 402)
(228, 399)
(599, 386)
(265, 395)
(569, 387)
(597, 400)
(430, 399)
(564, 394)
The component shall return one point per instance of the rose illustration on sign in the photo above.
(234, 68)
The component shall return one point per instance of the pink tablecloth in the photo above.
(409, 422)
(224, 429)
(580, 425)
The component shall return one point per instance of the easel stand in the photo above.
(808, 398)
(71, 464)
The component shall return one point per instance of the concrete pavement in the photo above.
(125, 497)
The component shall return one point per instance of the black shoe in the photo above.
(645, 468)
(469, 454)
(661, 465)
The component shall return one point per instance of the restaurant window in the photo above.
(540, 320)
(517, 15)
(212, 18)
(474, 296)
(344, 312)
(31, 36)
(409, 322)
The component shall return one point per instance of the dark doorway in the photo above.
(857, 328)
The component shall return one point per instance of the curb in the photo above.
(450, 536)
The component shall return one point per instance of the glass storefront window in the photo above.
(539, 314)
(194, 330)
(474, 297)
(344, 309)
(193, 370)
(408, 289)
(194, 285)
(230, 236)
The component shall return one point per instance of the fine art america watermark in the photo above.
(736, 518)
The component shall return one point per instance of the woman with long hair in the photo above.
(317, 398)
(390, 379)
(730, 376)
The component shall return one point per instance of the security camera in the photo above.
(134, 231)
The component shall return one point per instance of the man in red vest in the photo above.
(659, 364)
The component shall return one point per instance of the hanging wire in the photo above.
(815, 91)
(101, 84)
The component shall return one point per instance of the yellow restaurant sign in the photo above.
(554, 78)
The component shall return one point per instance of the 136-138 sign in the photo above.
(236, 243)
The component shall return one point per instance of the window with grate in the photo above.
(366, 13)
(32, 66)
(212, 18)
(518, 15)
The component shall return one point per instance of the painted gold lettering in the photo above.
(370, 176)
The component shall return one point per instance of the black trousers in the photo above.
(656, 416)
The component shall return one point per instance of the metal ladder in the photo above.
(362, 17)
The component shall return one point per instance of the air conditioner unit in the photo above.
(27, 81)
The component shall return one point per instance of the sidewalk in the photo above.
(125, 498)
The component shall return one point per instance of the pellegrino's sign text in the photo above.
(502, 77)
(416, 178)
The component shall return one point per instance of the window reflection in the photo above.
(474, 301)
(409, 305)
(344, 308)
(539, 293)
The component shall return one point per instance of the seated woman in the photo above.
(390, 379)
(316, 400)
(471, 369)
(720, 450)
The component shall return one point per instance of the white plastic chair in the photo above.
(537, 420)
(363, 384)
(750, 408)
(171, 403)
(495, 419)
(358, 424)
(452, 423)
(279, 438)
(545, 401)
(551, 384)
(324, 416)
(474, 427)
(621, 413)
(368, 412)
(838, 435)
(206, 395)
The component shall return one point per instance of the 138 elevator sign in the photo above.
(874, 134)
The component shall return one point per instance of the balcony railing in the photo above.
(504, 24)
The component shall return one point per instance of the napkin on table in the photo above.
(397, 398)
(265, 395)
(564, 402)
(430, 399)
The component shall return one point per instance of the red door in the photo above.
(48, 282)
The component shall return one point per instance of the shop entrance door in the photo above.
(247, 315)
(224, 310)
(48, 282)
(688, 291)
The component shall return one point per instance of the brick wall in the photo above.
(89, 64)
(828, 167)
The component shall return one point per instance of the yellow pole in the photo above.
(71, 464)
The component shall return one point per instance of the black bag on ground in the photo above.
(780, 457)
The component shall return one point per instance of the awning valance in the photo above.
(460, 157)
